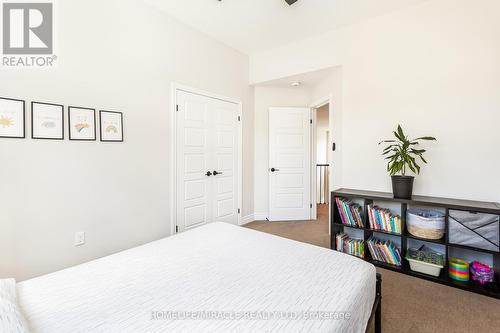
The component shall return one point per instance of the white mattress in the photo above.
(217, 270)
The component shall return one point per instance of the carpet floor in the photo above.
(408, 304)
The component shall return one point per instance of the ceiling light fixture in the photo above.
(296, 84)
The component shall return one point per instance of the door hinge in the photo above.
(177, 107)
(310, 121)
(239, 210)
(239, 118)
(176, 229)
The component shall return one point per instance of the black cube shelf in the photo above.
(368, 197)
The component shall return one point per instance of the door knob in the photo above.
(208, 174)
(274, 169)
(217, 173)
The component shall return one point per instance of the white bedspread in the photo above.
(219, 271)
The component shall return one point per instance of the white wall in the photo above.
(265, 98)
(434, 69)
(118, 55)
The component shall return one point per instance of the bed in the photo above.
(215, 278)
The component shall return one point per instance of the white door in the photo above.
(207, 161)
(225, 161)
(289, 164)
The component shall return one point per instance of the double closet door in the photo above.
(207, 161)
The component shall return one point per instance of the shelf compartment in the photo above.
(376, 210)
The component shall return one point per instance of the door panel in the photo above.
(193, 158)
(225, 162)
(290, 156)
(206, 142)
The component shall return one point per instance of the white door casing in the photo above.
(206, 141)
(290, 158)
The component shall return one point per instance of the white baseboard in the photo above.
(260, 216)
(247, 219)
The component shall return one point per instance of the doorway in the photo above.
(322, 163)
(321, 159)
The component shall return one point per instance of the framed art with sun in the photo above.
(12, 118)
(111, 126)
(82, 123)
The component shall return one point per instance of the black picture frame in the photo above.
(101, 127)
(32, 118)
(69, 123)
(24, 118)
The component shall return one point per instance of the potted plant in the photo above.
(402, 155)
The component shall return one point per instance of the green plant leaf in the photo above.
(400, 138)
(418, 151)
(428, 138)
(391, 157)
(387, 141)
(401, 133)
(412, 168)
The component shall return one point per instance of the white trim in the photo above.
(240, 162)
(314, 161)
(260, 216)
(322, 102)
(173, 156)
(247, 219)
(315, 106)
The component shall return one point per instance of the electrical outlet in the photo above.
(79, 238)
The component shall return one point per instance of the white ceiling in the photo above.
(254, 25)
(307, 80)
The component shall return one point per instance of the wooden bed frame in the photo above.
(376, 314)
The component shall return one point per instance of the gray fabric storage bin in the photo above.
(474, 229)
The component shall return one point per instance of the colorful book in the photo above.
(345, 244)
(384, 251)
(383, 219)
(351, 214)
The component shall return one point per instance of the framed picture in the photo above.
(82, 123)
(111, 126)
(47, 121)
(12, 117)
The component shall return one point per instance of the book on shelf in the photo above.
(351, 214)
(382, 219)
(354, 247)
(384, 251)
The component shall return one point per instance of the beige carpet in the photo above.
(408, 304)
